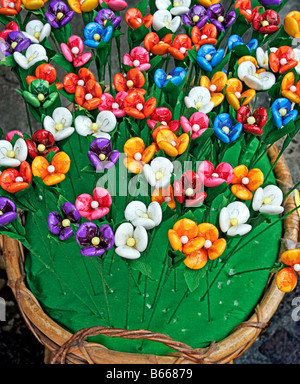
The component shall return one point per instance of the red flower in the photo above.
(134, 19)
(180, 46)
(10, 7)
(189, 189)
(252, 122)
(45, 72)
(245, 9)
(207, 35)
(136, 107)
(164, 116)
(134, 81)
(41, 144)
(283, 59)
(266, 23)
(12, 26)
(12, 180)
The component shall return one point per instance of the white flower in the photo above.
(297, 58)
(105, 122)
(258, 81)
(262, 57)
(268, 200)
(129, 241)
(163, 18)
(12, 156)
(158, 172)
(36, 31)
(139, 215)
(232, 219)
(60, 124)
(33, 54)
(199, 98)
(179, 7)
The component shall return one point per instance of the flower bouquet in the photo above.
(145, 201)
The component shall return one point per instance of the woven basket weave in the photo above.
(63, 347)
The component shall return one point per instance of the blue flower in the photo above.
(208, 57)
(94, 33)
(282, 112)
(225, 130)
(236, 40)
(175, 76)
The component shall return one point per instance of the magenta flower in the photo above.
(114, 105)
(138, 58)
(163, 116)
(212, 177)
(96, 206)
(115, 5)
(197, 124)
(73, 51)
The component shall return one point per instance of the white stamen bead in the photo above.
(184, 239)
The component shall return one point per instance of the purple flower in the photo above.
(95, 241)
(7, 211)
(58, 14)
(107, 14)
(216, 14)
(197, 16)
(15, 41)
(61, 226)
(268, 3)
(101, 154)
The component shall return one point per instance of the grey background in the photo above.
(279, 344)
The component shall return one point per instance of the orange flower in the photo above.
(234, 93)
(286, 279)
(282, 60)
(134, 19)
(289, 89)
(292, 24)
(207, 35)
(170, 143)
(180, 46)
(164, 194)
(183, 236)
(156, 46)
(10, 7)
(12, 180)
(80, 6)
(54, 173)
(215, 86)
(244, 182)
(134, 81)
(135, 105)
(137, 155)
(45, 72)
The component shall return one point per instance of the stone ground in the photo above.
(279, 344)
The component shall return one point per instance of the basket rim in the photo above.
(76, 350)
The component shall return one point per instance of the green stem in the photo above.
(144, 303)
(128, 296)
(178, 305)
(104, 291)
(291, 190)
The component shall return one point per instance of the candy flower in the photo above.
(234, 93)
(292, 24)
(282, 112)
(114, 105)
(105, 15)
(286, 278)
(208, 3)
(140, 215)
(94, 240)
(136, 106)
(158, 46)
(134, 19)
(189, 189)
(170, 143)
(11, 26)
(134, 81)
(212, 177)
(10, 7)
(94, 207)
(179, 7)
(244, 7)
(215, 86)
(163, 195)
(33, 54)
(12, 156)
(60, 224)
(216, 15)
(158, 173)
(245, 182)
(130, 242)
(236, 40)
(208, 57)
(163, 116)
(39, 94)
(206, 36)
(212, 248)
(60, 124)
(266, 23)
(12, 180)
(268, 200)
(261, 81)
(297, 58)
(72, 51)
(115, 5)
(175, 76)
(163, 19)
(138, 58)
(15, 41)
(105, 123)
(54, 173)
(58, 14)
(7, 211)
(225, 130)
(233, 218)
(36, 31)
(290, 89)
(197, 124)
(44, 72)
(282, 60)
(101, 154)
(41, 143)
(179, 47)
(137, 155)
(32, 5)
(196, 16)
(253, 122)
(262, 57)
(94, 33)
(200, 99)
(268, 3)
(80, 6)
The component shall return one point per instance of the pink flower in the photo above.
(94, 207)
(115, 105)
(73, 51)
(213, 177)
(138, 58)
(197, 124)
(11, 134)
(164, 116)
(115, 5)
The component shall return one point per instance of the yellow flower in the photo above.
(292, 24)
(33, 5)
(83, 6)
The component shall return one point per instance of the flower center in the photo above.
(66, 223)
(41, 97)
(198, 105)
(182, 50)
(169, 77)
(75, 50)
(59, 15)
(115, 106)
(283, 61)
(97, 37)
(176, 4)
(51, 169)
(226, 130)
(19, 179)
(14, 44)
(282, 112)
(94, 127)
(173, 143)
(41, 147)
(130, 84)
(30, 58)
(215, 174)
(251, 120)
(59, 127)
(102, 156)
(196, 18)
(297, 267)
(144, 215)
(10, 154)
(207, 244)
(245, 180)
(88, 96)
(95, 240)
(208, 57)
(94, 204)
(136, 63)
(234, 222)
(238, 95)
(37, 35)
(293, 88)
(158, 175)
(203, 37)
(184, 239)
(139, 106)
(267, 200)
(221, 19)
(130, 242)
(1, 213)
(213, 87)
(265, 23)
(80, 82)
(11, 5)
(196, 127)
(138, 156)
(189, 192)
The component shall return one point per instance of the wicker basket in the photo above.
(61, 346)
